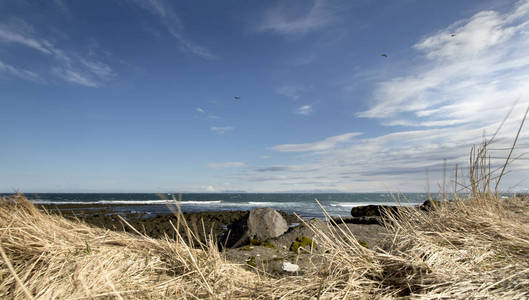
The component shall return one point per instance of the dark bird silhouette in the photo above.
(236, 97)
(384, 54)
(452, 35)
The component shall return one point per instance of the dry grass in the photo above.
(57, 258)
(477, 248)
(472, 248)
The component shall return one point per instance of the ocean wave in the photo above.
(276, 204)
(351, 204)
(200, 202)
(355, 204)
(131, 202)
(262, 203)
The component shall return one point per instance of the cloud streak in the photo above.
(326, 144)
(221, 129)
(304, 110)
(21, 73)
(292, 92)
(11, 36)
(67, 65)
(174, 26)
(225, 165)
(282, 21)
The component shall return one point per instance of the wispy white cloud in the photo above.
(174, 26)
(301, 60)
(483, 31)
(224, 165)
(399, 161)
(478, 64)
(67, 65)
(62, 7)
(304, 110)
(221, 129)
(21, 73)
(208, 188)
(101, 70)
(200, 110)
(281, 20)
(460, 89)
(325, 144)
(292, 92)
(12, 34)
(75, 77)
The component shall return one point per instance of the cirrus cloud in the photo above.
(65, 64)
(325, 144)
(224, 165)
(478, 64)
(221, 129)
(280, 20)
(304, 110)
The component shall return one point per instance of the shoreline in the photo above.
(215, 222)
(221, 226)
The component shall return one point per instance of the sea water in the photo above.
(304, 204)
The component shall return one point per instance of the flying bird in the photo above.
(236, 97)
(384, 54)
(452, 35)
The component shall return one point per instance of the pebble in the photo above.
(290, 267)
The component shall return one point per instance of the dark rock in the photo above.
(235, 233)
(429, 205)
(359, 220)
(372, 210)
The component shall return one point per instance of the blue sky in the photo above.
(138, 95)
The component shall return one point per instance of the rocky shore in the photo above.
(277, 243)
(295, 245)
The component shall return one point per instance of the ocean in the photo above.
(303, 204)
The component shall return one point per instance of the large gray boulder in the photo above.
(265, 223)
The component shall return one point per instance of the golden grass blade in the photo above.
(14, 273)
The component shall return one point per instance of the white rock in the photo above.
(290, 267)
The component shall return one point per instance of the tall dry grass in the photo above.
(471, 248)
(52, 257)
(476, 248)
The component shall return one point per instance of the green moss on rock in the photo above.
(267, 243)
(255, 242)
(302, 242)
(251, 261)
